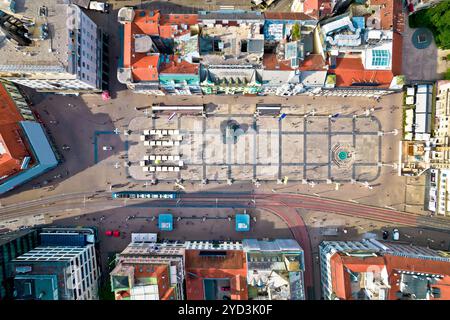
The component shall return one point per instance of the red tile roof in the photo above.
(233, 267)
(10, 136)
(311, 7)
(397, 51)
(179, 19)
(179, 67)
(158, 271)
(313, 62)
(391, 14)
(341, 282)
(351, 70)
(287, 16)
(314, 7)
(270, 62)
(145, 68)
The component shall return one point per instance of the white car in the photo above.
(107, 148)
(395, 234)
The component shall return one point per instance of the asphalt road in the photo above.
(283, 205)
(89, 201)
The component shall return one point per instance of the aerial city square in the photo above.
(251, 150)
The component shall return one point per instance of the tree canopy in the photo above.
(296, 35)
(437, 19)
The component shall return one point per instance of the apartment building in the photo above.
(274, 269)
(373, 270)
(147, 270)
(215, 270)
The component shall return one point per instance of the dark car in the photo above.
(385, 235)
(226, 298)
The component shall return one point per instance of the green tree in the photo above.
(447, 75)
(437, 19)
(295, 32)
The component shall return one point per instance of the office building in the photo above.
(63, 267)
(12, 245)
(51, 46)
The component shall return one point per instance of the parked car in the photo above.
(225, 289)
(65, 147)
(385, 235)
(108, 233)
(395, 234)
(107, 148)
(116, 233)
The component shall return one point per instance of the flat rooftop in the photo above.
(49, 52)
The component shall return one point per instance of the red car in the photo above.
(225, 288)
(116, 233)
(108, 233)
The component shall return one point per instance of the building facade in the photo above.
(149, 271)
(63, 267)
(273, 53)
(25, 151)
(12, 245)
(52, 47)
(439, 200)
(274, 269)
(215, 270)
(371, 270)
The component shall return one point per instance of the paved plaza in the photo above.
(241, 147)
